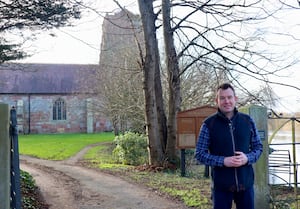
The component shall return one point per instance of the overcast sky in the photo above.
(81, 45)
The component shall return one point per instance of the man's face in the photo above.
(226, 101)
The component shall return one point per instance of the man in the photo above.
(229, 142)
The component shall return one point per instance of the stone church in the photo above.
(50, 98)
(59, 98)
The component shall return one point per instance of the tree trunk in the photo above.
(150, 67)
(161, 115)
(173, 81)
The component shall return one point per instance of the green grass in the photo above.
(195, 193)
(58, 146)
(101, 157)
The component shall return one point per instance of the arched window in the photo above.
(59, 110)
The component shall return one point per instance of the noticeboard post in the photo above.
(188, 125)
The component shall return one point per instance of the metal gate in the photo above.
(15, 191)
(282, 156)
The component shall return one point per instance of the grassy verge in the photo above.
(101, 157)
(59, 146)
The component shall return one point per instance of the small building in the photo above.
(52, 98)
(189, 123)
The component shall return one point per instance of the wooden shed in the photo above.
(189, 123)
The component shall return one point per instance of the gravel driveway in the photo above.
(66, 185)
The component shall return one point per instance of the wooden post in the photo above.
(182, 164)
(261, 167)
(4, 157)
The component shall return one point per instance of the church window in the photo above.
(59, 110)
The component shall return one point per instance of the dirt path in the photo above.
(65, 185)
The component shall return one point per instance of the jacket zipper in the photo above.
(233, 148)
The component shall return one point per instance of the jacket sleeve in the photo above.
(255, 146)
(202, 149)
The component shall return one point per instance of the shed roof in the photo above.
(202, 111)
(16, 78)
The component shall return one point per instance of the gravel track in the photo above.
(67, 185)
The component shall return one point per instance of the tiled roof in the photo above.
(16, 78)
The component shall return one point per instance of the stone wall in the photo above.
(35, 114)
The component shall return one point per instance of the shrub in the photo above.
(131, 149)
(31, 198)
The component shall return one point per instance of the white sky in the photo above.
(81, 45)
(76, 45)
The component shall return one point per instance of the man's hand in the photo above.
(238, 160)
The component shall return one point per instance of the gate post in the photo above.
(15, 186)
(4, 157)
(261, 167)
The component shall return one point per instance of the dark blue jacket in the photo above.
(226, 137)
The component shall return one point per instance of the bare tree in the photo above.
(151, 69)
(205, 43)
(206, 38)
(198, 86)
(222, 36)
(119, 76)
(174, 98)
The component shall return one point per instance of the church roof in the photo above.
(17, 78)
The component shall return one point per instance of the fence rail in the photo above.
(280, 163)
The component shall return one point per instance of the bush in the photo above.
(131, 149)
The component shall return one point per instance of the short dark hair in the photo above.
(225, 86)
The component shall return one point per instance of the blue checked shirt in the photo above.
(202, 148)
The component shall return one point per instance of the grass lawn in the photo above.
(59, 146)
(101, 157)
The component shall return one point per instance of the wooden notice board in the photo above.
(188, 125)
